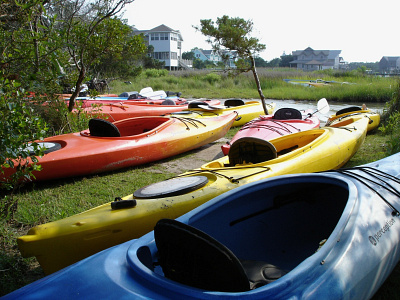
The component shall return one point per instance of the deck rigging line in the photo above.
(280, 126)
(378, 178)
(231, 179)
(187, 121)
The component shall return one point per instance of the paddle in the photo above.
(322, 107)
(212, 107)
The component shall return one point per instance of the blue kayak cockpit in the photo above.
(259, 234)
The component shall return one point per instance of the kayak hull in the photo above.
(346, 250)
(142, 140)
(81, 235)
(116, 112)
(246, 111)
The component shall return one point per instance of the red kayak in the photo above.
(88, 102)
(283, 122)
(115, 112)
(107, 146)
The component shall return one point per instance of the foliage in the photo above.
(285, 60)
(153, 73)
(188, 55)
(100, 37)
(391, 122)
(212, 78)
(123, 58)
(30, 46)
(20, 125)
(234, 34)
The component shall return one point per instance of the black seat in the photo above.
(251, 150)
(347, 110)
(287, 114)
(234, 102)
(168, 102)
(195, 104)
(103, 128)
(192, 257)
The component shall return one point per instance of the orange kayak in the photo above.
(107, 146)
(120, 111)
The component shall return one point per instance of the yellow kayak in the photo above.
(63, 242)
(356, 112)
(247, 111)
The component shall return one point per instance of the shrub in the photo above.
(212, 78)
(153, 73)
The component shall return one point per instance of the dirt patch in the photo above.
(190, 160)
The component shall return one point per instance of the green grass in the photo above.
(214, 84)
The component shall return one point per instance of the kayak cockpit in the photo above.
(123, 128)
(251, 150)
(261, 234)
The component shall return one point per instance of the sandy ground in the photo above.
(192, 159)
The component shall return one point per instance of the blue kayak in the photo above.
(328, 235)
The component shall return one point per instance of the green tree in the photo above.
(234, 34)
(188, 55)
(91, 32)
(274, 63)
(285, 60)
(125, 61)
(260, 62)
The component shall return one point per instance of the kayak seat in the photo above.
(251, 150)
(168, 102)
(192, 257)
(133, 95)
(287, 114)
(347, 110)
(103, 128)
(234, 102)
(195, 104)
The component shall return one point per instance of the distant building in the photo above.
(167, 44)
(312, 60)
(225, 56)
(389, 64)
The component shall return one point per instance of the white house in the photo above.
(167, 44)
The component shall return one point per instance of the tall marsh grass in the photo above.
(220, 84)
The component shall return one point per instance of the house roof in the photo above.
(391, 58)
(161, 28)
(330, 53)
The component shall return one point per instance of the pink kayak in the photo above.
(283, 122)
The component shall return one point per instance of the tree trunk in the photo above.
(254, 70)
(75, 94)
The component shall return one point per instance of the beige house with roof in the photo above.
(312, 60)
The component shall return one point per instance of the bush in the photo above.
(212, 78)
(153, 73)
(391, 122)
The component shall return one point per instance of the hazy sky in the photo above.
(364, 30)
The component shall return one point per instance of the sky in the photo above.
(363, 30)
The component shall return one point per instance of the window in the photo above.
(155, 36)
(161, 55)
(164, 36)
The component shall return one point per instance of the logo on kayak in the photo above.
(375, 238)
